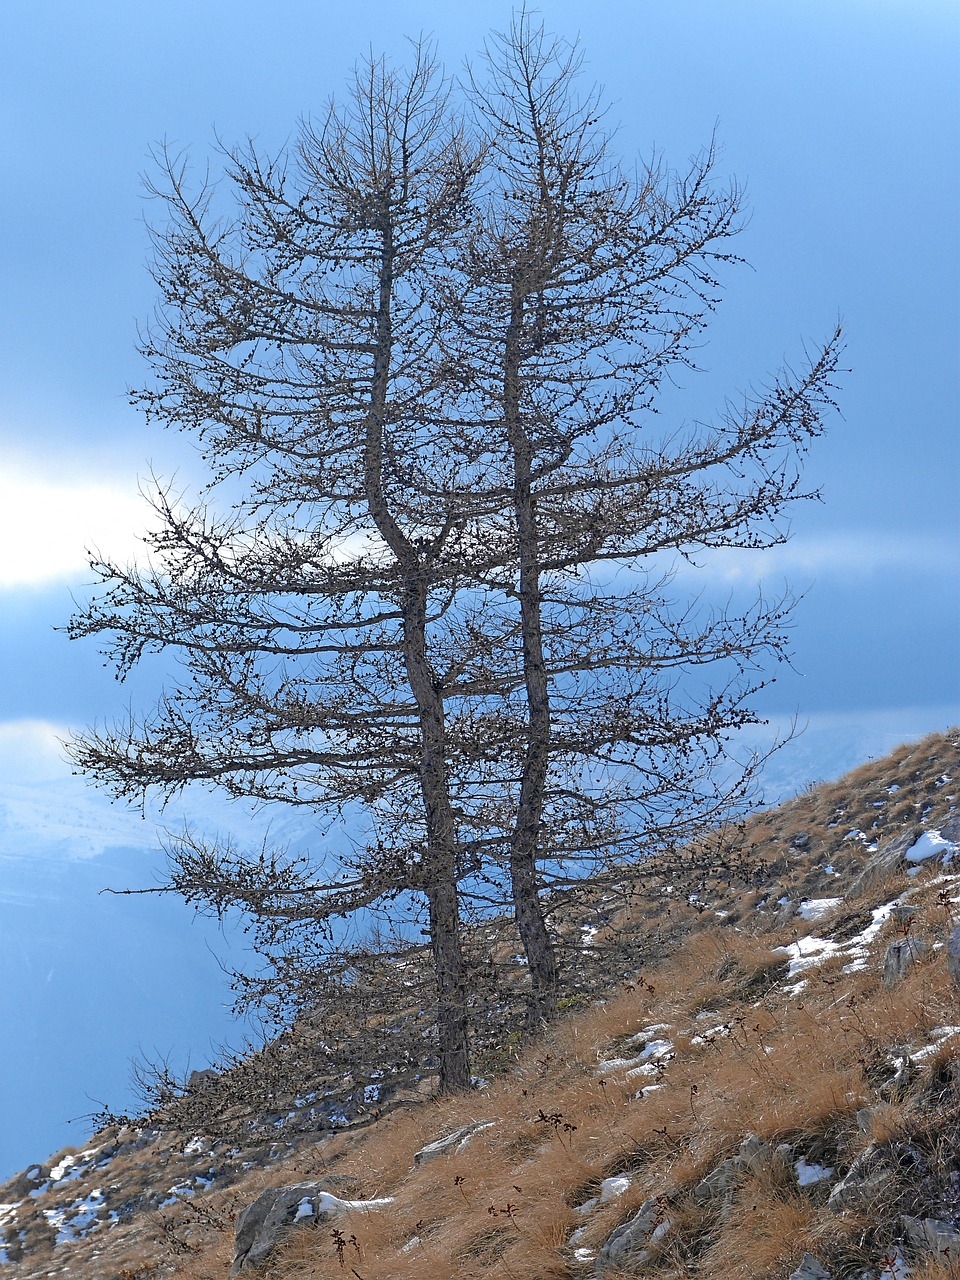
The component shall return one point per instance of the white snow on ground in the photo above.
(857, 947)
(610, 1189)
(930, 845)
(940, 1034)
(807, 952)
(59, 1172)
(808, 1174)
(817, 908)
(77, 1219)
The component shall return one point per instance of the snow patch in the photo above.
(807, 952)
(930, 845)
(76, 1220)
(817, 908)
(809, 1174)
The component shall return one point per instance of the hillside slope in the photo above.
(759, 1078)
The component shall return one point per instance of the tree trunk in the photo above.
(439, 863)
(535, 937)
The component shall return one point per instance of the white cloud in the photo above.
(31, 750)
(46, 812)
(48, 521)
(840, 555)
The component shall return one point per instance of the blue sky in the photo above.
(841, 119)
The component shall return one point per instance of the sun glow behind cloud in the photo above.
(49, 521)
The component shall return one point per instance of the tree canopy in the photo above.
(422, 353)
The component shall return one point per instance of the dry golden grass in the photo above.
(505, 1205)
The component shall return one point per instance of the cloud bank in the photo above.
(47, 813)
(48, 522)
(836, 556)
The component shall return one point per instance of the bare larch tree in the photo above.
(590, 287)
(298, 341)
(423, 357)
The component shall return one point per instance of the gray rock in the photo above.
(890, 857)
(865, 1119)
(452, 1142)
(631, 1244)
(753, 1157)
(900, 955)
(265, 1224)
(810, 1269)
(930, 1235)
(863, 1183)
(953, 955)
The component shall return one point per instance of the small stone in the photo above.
(899, 956)
(930, 1235)
(953, 955)
(451, 1142)
(810, 1269)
